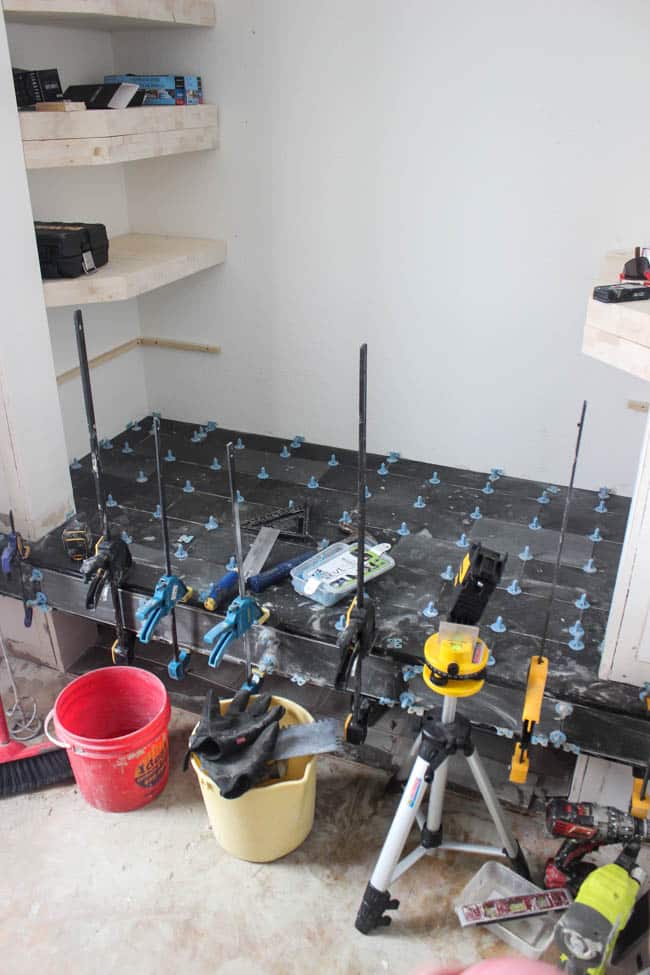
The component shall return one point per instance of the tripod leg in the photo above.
(376, 898)
(510, 844)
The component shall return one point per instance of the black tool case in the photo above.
(68, 250)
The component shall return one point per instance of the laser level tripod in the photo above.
(456, 663)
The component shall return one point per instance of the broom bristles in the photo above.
(38, 772)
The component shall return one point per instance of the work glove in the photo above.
(235, 748)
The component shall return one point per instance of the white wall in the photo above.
(439, 179)
(93, 195)
(34, 476)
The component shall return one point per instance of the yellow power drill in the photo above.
(587, 933)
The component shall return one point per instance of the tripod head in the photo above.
(455, 658)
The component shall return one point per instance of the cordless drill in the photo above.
(585, 827)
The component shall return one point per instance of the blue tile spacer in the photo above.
(323, 544)
(544, 498)
(595, 535)
(434, 479)
(215, 465)
(430, 610)
(577, 629)
(136, 426)
(589, 567)
(75, 465)
(406, 700)
(156, 513)
(239, 444)
(291, 505)
(36, 576)
(601, 507)
(491, 660)
(487, 489)
(498, 626)
(576, 644)
(106, 444)
(563, 709)
(196, 437)
(333, 462)
(462, 542)
(419, 502)
(297, 443)
(111, 502)
(340, 624)
(298, 679)
(231, 564)
(367, 493)
(181, 552)
(189, 487)
(496, 473)
(211, 426)
(240, 497)
(514, 588)
(169, 457)
(127, 448)
(312, 483)
(526, 555)
(476, 515)
(582, 602)
(393, 457)
(345, 518)
(285, 453)
(263, 474)
(126, 538)
(409, 671)
(142, 477)
(541, 740)
(382, 470)
(403, 529)
(603, 493)
(387, 702)
(553, 489)
(535, 525)
(448, 574)
(203, 433)
(211, 524)
(557, 738)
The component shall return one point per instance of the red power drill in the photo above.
(585, 827)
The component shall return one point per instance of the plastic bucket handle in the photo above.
(55, 741)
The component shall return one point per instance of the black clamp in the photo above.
(111, 561)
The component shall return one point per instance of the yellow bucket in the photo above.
(271, 820)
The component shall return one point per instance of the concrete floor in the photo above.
(151, 892)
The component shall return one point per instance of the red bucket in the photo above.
(114, 722)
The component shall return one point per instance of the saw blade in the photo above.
(308, 739)
(259, 551)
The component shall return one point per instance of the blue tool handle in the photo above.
(263, 580)
(225, 584)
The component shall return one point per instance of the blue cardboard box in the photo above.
(164, 89)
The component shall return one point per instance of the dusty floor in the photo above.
(83, 891)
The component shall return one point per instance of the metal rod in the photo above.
(95, 457)
(363, 405)
(96, 463)
(162, 501)
(230, 457)
(565, 518)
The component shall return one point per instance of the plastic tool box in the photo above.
(68, 250)
(332, 574)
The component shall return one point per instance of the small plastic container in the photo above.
(330, 575)
(530, 935)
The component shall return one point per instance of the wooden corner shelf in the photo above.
(100, 137)
(112, 14)
(138, 263)
(618, 333)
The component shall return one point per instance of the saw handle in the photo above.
(261, 581)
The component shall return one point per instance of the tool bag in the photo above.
(68, 250)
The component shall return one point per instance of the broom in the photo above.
(27, 768)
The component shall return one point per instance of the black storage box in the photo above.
(68, 250)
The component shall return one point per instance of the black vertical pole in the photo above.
(95, 457)
(162, 501)
(363, 403)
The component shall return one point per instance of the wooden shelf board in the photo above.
(138, 263)
(618, 333)
(112, 14)
(96, 138)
